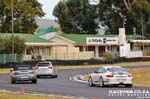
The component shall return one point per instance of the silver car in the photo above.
(46, 69)
(23, 73)
(110, 75)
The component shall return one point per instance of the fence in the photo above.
(71, 56)
(10, 58)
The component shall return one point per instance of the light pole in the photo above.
(12, 25)
(142, 33)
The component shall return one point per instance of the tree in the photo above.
(25, 12)
(113, 14)
(75, 16)
(6, 45)
(139, 10)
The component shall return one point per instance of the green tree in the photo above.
(140, 9)
(140, 13)
(6, 45)
(25, 12)
(112, 13)
(75, 16)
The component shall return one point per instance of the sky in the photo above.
(48, 6)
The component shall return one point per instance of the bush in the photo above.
(108, 55)
(6, 45)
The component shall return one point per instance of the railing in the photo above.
(71, 56)
(10, 58)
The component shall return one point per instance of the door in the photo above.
(101, 51)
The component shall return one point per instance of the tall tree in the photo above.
(75, 16)
(112, 13)
(140, 10)
(25, 12)
(6, 45)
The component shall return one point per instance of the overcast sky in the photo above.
(48, 6)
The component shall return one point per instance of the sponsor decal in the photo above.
(100, 40)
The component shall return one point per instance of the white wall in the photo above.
(125, 51)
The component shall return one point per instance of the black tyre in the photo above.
(34, 81)
(56, 76)
(38, 76)
(101, 82)
(115, 85)
(13, 81)
(128, 85)
(90, 82)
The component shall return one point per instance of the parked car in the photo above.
(23, 73)
(46, 69)
(110, 75)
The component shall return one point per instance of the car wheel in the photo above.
(128, 85)
(115, 85)
(101, 82)
(34, 81)
(12, 81)
(90, 82)
(56, 76)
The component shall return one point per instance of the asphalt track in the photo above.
(63, 86)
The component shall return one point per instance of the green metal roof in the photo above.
(45, 31)
(81, 38)
(26, 37)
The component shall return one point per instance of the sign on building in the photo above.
(101, 41)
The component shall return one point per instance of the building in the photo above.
(98, 44)
(61, 46)
(94, 46)
(35, 46)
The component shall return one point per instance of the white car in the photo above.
(23, 73)
(45, 69)
(110, 75)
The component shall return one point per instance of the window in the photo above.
(102, 70)
(46, 51)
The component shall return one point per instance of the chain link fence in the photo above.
(10, 58)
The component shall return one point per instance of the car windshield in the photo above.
(43, 64)
(23, 68)
(116, 69)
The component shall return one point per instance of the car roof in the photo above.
(17, 66)
(22, 65)
(45, 62)
(111, 67)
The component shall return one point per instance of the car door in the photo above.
(100, 73)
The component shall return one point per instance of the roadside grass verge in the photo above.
(4, 70)
(6, 95)
(7, 70)
(140, 77)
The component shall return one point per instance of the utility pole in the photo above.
(142, 32)
(12, 25)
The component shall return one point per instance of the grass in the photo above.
(140, 77)
(5, 95)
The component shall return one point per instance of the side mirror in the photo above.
(96, 71)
